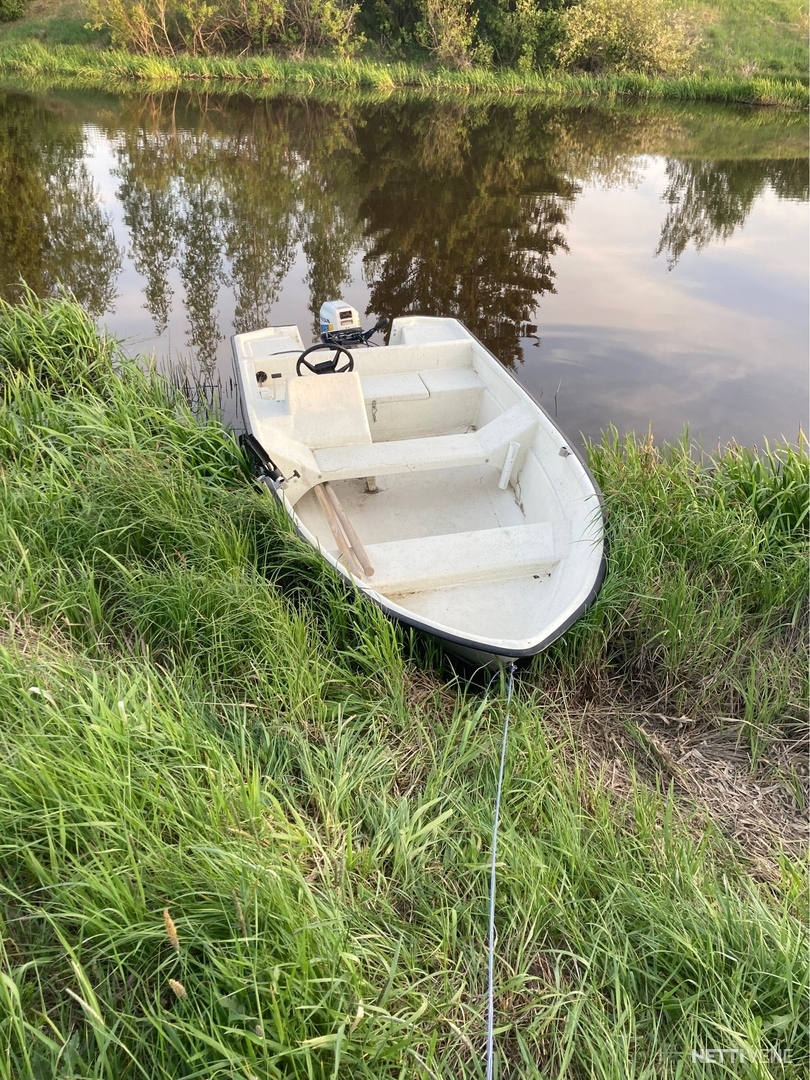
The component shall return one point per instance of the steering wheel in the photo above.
(326, 367)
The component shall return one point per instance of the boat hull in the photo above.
(434, 483)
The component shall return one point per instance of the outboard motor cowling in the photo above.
(338, 318)
(340, 325)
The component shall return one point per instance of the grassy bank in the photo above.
(244, 820)
(87, 66)
(763, 36)
(742, 51)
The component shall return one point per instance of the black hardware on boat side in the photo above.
(353, 335)
(261, 464)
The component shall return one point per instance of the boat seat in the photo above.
(328, 410)
(407, 386)
(439, 562)
(452, 381)
(488, 445)
(421, 385)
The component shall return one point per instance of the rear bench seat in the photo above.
(437, 562)
(489, 445)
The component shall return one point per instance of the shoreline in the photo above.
(95, 68)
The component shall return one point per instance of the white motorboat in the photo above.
(424, 473)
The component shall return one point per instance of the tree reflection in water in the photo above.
(52, 229)
(463, 213)
(234, 191)
(709, 200)
(456, 209)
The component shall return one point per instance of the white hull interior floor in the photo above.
(429, 477)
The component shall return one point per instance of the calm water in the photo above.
(634, 267)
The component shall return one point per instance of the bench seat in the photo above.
(517, 424)
(420, 385)
(407, 386)
(438, 562)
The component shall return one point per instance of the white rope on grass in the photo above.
(491, 973)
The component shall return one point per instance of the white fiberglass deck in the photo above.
(468, 551)
(484, 527)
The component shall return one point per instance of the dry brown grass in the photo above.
(759, 804)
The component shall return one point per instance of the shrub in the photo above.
(447, 29)
(12, 9)
(625, 35)
(200, 27)
(524, 33)
(263, 20)
(392, 23)
(149, 26)
(321, 23)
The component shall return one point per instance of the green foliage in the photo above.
(774, 484)
(625, 35)
(737, 40)
(447, 30)
(746, 37)
(53, 342)
(10, 10)
(141, 25)
(205, 27)
(391, 23)
(521, 33)
(264, 21)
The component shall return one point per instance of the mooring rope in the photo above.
(491, 973)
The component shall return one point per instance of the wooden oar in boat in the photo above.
(349, 544)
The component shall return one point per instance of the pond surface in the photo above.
(634, 266)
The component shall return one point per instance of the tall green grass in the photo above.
(243, 832)
(91, 67)
(704, 610)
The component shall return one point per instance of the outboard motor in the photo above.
(340, 325)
